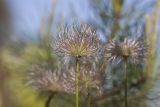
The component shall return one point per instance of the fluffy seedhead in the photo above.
(89, 81)
(45, 81)
(131, 49)
(76, 41)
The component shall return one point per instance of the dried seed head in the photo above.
(133, 49)
(77, 41)
(112, 52)
(88, 80)
(45, 81)
(137, 49)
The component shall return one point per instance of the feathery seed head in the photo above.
(77, 41)
(132, 49)
(88, 80)
(45, 81)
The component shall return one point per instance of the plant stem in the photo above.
(49, 99)
(126, 84)
(76, 81)
(88, 100)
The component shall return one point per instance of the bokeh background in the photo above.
(27, 28)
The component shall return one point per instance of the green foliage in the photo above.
(18, 66)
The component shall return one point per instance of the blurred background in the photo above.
(27, 28)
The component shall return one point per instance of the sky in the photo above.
(27, 15)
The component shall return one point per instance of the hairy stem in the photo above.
(49, 99)
(126, 84)
(76, 80)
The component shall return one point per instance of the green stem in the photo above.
(76, 81)
(49, 99)
(126, 84)
(88, 100)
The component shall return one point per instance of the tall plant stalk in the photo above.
(49, 99)
(77, 41)
(76, 80)
(126, 83)
(88, 100)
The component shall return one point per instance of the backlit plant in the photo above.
(129, 50)
(85, 75)
(76, 41)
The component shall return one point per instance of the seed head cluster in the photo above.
(82, 41)
(63, 81)
(88, 80)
